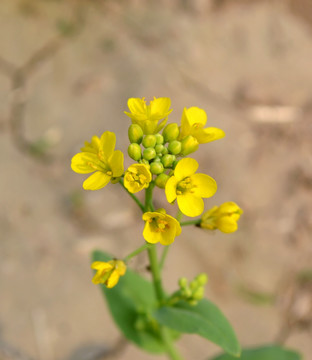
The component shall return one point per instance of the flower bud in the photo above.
(174, 147)
(134, 151)
(164, 151)
(202, 279)
(171, 132)
(189, 145)
(161, 180)
(149, 153)
(183, 283)
(156, 168)
(159, 139)
(145, 162)
(157, 159)
(159, 148)
(167, 160)
(135, 133)
(198, 294)
(149, 141)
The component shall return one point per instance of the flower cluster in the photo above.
(160, 154)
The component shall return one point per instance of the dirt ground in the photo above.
(67, 69)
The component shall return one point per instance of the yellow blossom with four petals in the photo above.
(189, 188)
(151, 118)
(192, 123)
(223, 217)
(137, 177)
(160, 227)
(108, 273)
(99, 157)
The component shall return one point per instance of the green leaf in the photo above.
(204, 319)
(131, 302)
(269, 352)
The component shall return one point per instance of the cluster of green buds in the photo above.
(191, 292)
(159, 151)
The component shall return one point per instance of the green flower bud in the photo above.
(174, 164)
(193, 285)
(202, 279)
(159, 148)
(174, 147)
(167, 160)
(161, 180)
(193, 302)
(134, 151)
(135, 133)
(156, 168)
(157, 159)
(186, 292)
(183, 283)
(149, 153)
(159, 139)
(145, 162)
(198, 294)
(149, 141)
(164, 151)
(171, 132)
(189, 145)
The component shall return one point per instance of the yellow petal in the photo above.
(196, 115)
(171, 189)
(107, 144)
(185, 126)
(96, 181)
(204, 136)
(116, 163)
(190, 205)
(137, 105)
(227, 225)
(86, 162)
(151, 236)
(168, 236)
(160, 107)
(185, 167)
(121, 267)
(113, 279)
(205, 186)
(100, 265)
(93, 147)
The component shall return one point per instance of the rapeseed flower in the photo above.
(99, 156)
(108, 273)
(151, 118)
(193, 122)
(223, 217)
(160, 227)
(189, 188)
(137, 177)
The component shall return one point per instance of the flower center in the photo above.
(185, 186)
(159, 225)
(138, 178)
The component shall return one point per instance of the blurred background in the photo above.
(67, 68)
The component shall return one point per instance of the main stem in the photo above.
(155, 269)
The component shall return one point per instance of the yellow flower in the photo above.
(153, 117)
(99, 156)
(223, 217)
(137, 177)
(108, 273)
(189, 188)
(160, 227)
(193, 122)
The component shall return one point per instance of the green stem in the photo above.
(137, 251)
(152, 254)
(141, 206)
(172, 351)
(191, 222)
(149, 197)
(163, 256)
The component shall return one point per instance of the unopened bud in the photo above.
(159, 148)
(202, 279)
(183, 282)
(156, 168)
(149, 153)
(174, 147)
(161, 180)
(198, 294)
(171, 132)
(135, 133)
(164, 151)
(159, 139)
(189, 145)
(134, 151)
(167, 160)
(149, 141)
